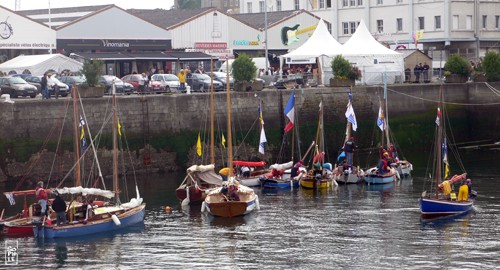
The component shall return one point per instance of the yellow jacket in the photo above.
(182, 77)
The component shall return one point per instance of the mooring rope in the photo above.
(449, 103)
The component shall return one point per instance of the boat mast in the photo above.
(76, 120)
(212, 139)
(440, 124)
(229, 133)
(293, 130)
(386, 112)
(115, 146)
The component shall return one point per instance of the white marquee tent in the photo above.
(373, 58)
(321, 43)
(39, 64)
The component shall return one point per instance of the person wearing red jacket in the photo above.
(42, 197)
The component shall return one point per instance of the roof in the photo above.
(168, 18)
(257, 20)
(60, 16)
(38, 64)
(408, 52)
(363, 43)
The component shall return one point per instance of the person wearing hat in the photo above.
(42, 197)
(59, 206)
(349, 147)
(382, 164)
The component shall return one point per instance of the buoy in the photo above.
(203, 207)
(257, 204)
(168, 209)
(116, 220)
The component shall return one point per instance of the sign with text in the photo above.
(18, 32)
(11, 252)
(210, 45)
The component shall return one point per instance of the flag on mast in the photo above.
(351, 117)
(198, 146)
(263, 140)
(381, 119)
(290, 112)
(223, 141)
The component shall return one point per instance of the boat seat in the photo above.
(453, 196)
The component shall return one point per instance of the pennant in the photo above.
(260, 115)
(445, 160)
(223, 141)
(290, 112)
(381, 119)
(351, 117)
(10, 196)
(263, 140)
(82, 122)
(438, 116)
(119, 127)
(198, 146)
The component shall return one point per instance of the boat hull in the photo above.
(313, 183)
(372, 177)
(349, 178)
(231, 208)
(280, 184)
(443, 207)
(404, 168)
(127, 218)
(21, 227)
(196, 196)
(252, 181)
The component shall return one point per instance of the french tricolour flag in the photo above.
(290, 112)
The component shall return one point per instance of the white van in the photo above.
(260, 63)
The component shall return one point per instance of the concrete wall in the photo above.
(174, 114)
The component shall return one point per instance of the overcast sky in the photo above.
(126, 4)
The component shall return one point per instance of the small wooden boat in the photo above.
(251, 180)
(403, 167)
(345, 174)
(199, 178)
(221, 204)
(373, 177)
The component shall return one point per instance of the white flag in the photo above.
(263, 140)
(351, 117)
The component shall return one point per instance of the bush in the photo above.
(458, 65)
(244, 68)
(342, 69)
(491, 66)
(92, 69)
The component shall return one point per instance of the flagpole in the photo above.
(212, 108)
(76, 119)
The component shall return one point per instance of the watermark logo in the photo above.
(11, 252)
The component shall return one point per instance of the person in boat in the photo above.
(295, 170)
(59, 206)
(277, 173)
(233, 193)
(42, 197)
(224, 172)
(463, 191)
(349, 147)
(245, 171)
(393, 154)
(382, 164)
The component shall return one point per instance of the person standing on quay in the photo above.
(425, 70)
(182, 80)
(43, 86)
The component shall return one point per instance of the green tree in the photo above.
(491, 66)
(456, 64)
(342, 69)
(92, 69)
(244, 68)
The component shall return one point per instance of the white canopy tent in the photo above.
(320, 43)
(372, 58)
(39, 64)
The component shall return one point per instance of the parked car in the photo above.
(136, 80)
(72, 80)
(16, 86)
(120, 86)
(222, 77)
(203, 82)
(166, 82)
(37, 80)
(34, 80)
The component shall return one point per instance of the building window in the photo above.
(261, 6)
(353, 27)
(421, 25)
(485, 20)
(249, 7)
(360, 2)
(468, 22)
(437, 22)
(380, 26)
(399, 23)
(297, 5)
(497, 22)
(321, 4)
(345, 26)
(278, 5)
(353, 3)
(399, 1)
(345, 3)
(380, 2)
(455, 22)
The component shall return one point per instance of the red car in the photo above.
(136, 80)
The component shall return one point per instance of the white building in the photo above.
(443, 27)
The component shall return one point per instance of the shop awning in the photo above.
(160, 56)
(104, 56)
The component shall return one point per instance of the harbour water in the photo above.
(352, 227)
